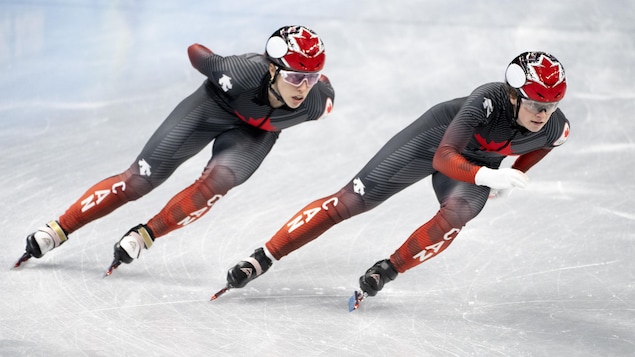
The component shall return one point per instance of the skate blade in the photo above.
(26, 256)
(112, 267)
(355, 300)
(219, 293)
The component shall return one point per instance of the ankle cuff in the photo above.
(268, 254)
(57, 229)
(146, 235)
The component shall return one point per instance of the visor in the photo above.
(536, 107)
(296, 78)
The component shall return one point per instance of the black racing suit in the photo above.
(450, 142)
(231, 108)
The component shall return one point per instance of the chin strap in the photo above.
(275, 92)
(515, 124)
(517, 107)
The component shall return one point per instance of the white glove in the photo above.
(500, 179)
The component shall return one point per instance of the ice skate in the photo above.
(372, 282)
(249, 269)
(379, 274)
(43, 241)
(129, 246)
(245, 271)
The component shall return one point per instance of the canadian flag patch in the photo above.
(563, 138)
(328, 108)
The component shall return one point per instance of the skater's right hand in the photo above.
(501, 178)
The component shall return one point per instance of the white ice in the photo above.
(549, 271)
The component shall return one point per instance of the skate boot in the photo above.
(248, 269)
(129, 246)
(43, 241)
(379, 274)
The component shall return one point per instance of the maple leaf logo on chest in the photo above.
(263, 123)
(503, 148)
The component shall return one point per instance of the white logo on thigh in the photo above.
(358, 186)
(144, 168)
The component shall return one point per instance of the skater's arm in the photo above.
(448, 159)
(526, 161)
(198, 54)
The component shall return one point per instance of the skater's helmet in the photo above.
(296, 48)
(537, 76)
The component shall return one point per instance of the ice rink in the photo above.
(549, 271)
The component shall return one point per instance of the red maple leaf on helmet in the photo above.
(307, 43)
(547, 71)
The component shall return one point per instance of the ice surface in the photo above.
(547, 272)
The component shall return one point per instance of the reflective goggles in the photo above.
(536, 107)
(296, 78)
